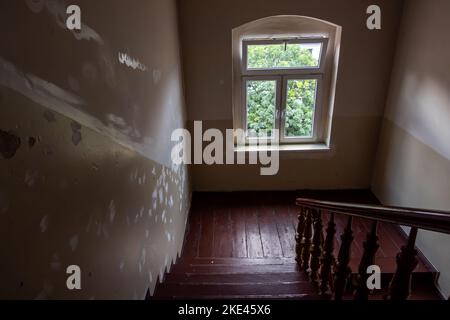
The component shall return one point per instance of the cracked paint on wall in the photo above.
(9, 144)
(98, 152)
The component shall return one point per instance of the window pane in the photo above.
(300, 108)
(279, 56)
(261, 106)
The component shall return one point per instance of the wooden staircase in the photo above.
(272, 279)
(237, 279)
(322, 267)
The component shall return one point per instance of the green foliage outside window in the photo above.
(261, 94)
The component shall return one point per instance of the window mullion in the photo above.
(282, 109)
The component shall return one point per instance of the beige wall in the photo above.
(365, 65)
(413, 162)
(97, 188)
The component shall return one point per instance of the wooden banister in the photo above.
(432, 220)
(315, 256)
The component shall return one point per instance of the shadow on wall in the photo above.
(84, 148)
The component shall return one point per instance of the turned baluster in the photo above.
(299, 236)
(316, 248)
(343, 270)
(400, 288)
(368, 259)
(327, 258)
(306, 241)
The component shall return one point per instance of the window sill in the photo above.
(284, 148)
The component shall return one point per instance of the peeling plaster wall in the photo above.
(85, 171)
(413, 159)
(364, 69)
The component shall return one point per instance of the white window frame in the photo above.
(282, 75)
(317, 112)
(278, 97)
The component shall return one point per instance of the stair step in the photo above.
(237, 261)
(174, 290)
(227, 269)
(236, 278)
(307, 297)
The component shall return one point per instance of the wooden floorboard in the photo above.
(239, 237)
(253, 234)
(223, 244)
(269, 233)
(263, 225)
(206, 242)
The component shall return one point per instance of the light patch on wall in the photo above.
(157, 76)
(44, 224)
(142, 180)
(150, 277)
(55, 264)
(155, 199)
(46, 291)
(134, 175)
(132, 63)
(30, 178)
(423, 111)
(73, 242)
(68, 104)
(163, 217)
(144, 256)
(166, 261)
(112, 211)
(121, 125)
(161, 196)
(38, 90)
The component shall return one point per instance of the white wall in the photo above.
(364, 69)
(97, 189)
(413, 160)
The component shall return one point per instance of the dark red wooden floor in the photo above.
(241, 246)
(261, 225)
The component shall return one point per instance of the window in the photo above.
(282, 88)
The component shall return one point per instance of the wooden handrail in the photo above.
(433, 220)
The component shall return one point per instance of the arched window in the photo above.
(284, 75)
